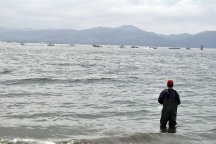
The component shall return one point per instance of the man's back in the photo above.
(169, 97)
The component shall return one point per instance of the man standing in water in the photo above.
(170, 100)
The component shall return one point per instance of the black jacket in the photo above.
(169, 98)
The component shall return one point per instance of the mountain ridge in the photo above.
(123, 35)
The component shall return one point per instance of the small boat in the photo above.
(174, 48)
(201, 47)
(153, 47)
(134, 47)
(94, 45)
(122, 46)
(22, 43)
(187, 48)
(50, 44)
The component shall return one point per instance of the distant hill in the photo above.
(124, 35)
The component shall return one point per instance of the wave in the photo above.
(27, 81)
(60, 64)
(148, 138)
(51, 80)
(213, 130)
(5, 71)
(93, 80)
(24, 141)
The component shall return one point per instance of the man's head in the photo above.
(170, 83)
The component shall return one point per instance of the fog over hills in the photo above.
(124, 35)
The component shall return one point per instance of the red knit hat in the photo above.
(170, 83)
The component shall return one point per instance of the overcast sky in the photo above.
(161, 16)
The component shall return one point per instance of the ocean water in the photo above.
(81, 94)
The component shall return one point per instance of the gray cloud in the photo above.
(163, 16)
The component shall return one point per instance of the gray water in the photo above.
(82, 94)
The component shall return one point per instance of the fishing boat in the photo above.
(174, 48)
(122, 46)
(94, 45)
(134, 47)
(153, 47)
(50, 44)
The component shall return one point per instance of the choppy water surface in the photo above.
(82, 94)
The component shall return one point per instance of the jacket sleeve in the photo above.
(178, 98)
(161, 98)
